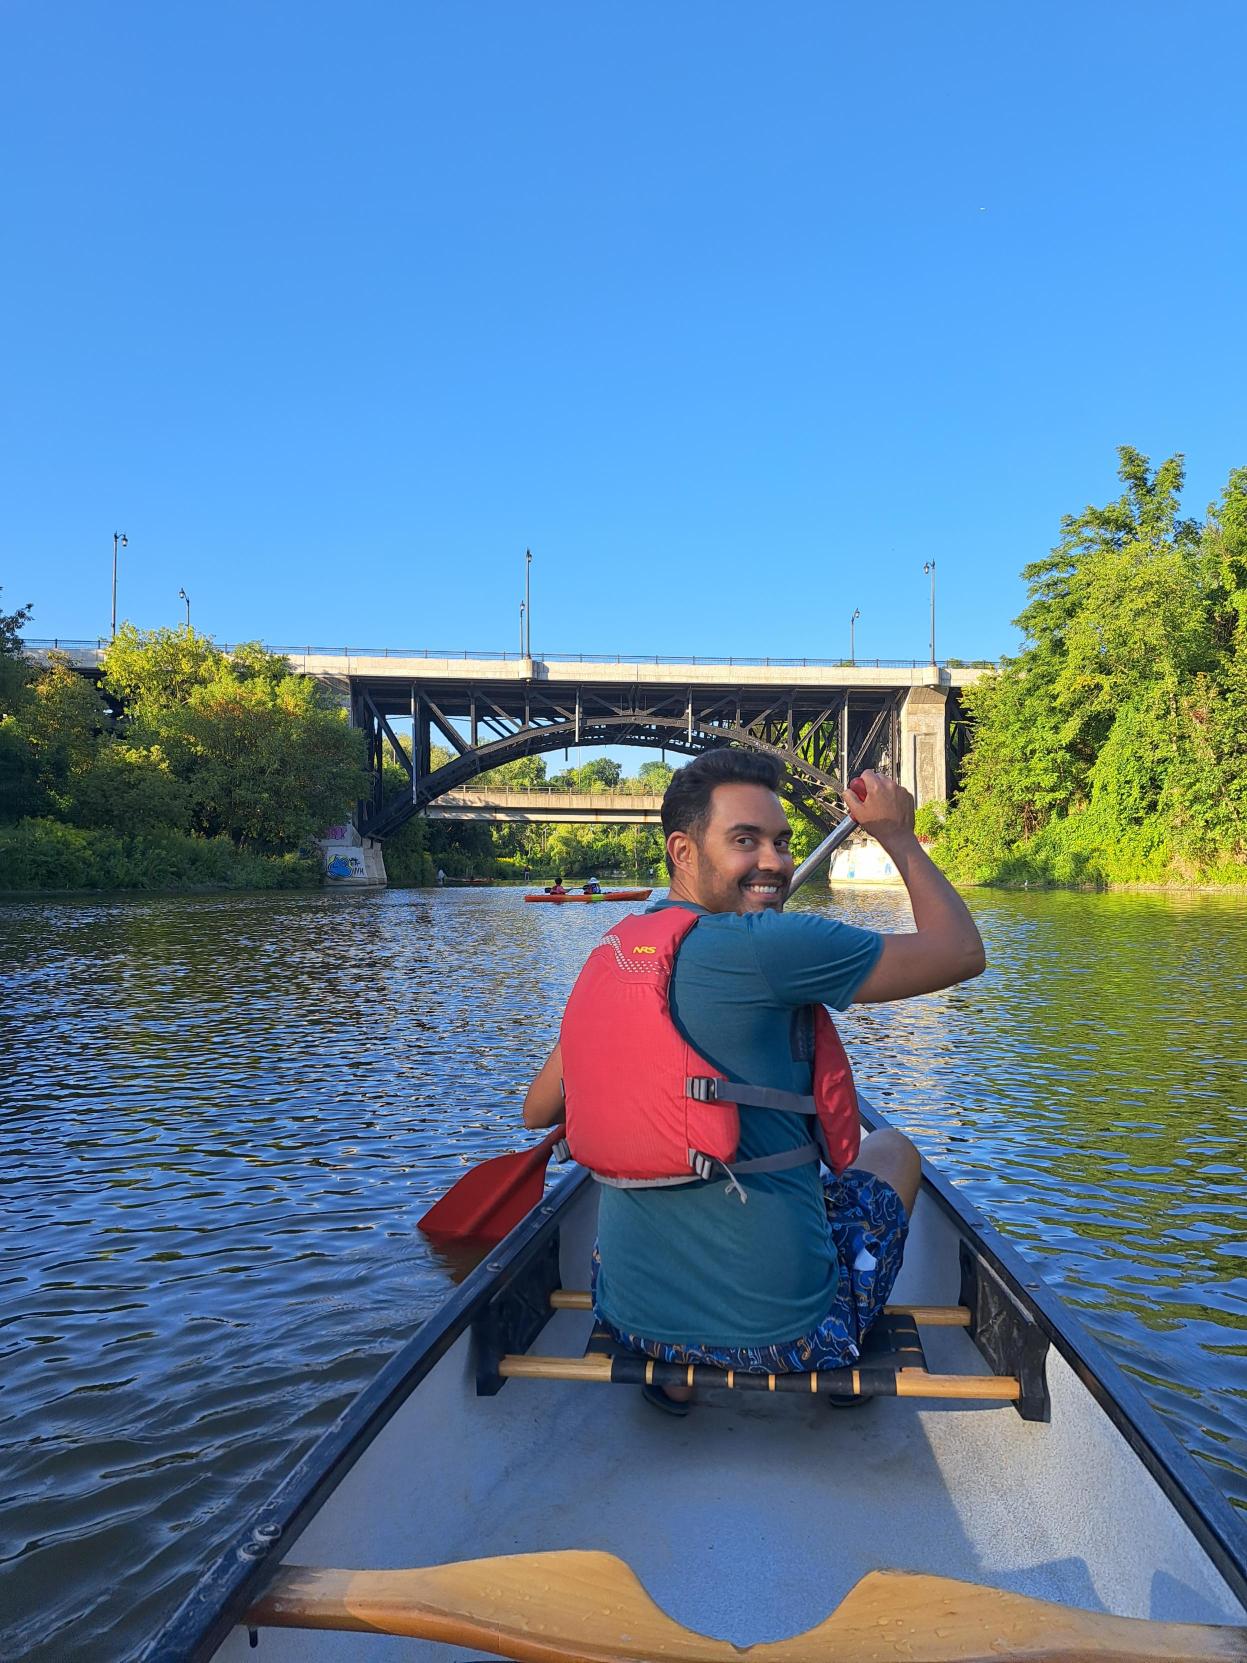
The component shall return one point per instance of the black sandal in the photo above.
(660, 1400)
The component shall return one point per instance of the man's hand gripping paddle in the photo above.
(493, 1197)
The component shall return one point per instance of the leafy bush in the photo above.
(130, 788)
(48, 854)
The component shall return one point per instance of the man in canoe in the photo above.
(729, 989)
(556, 888)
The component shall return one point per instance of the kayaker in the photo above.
(593, 887)
(556, 888)
(793, 1279)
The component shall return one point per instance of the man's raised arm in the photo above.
(946, 947)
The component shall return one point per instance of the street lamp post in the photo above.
(929, 568)
(119, 537)
(523, 608)
(182, 595)
(528, 606)
(857, 612)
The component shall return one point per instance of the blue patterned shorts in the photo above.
(868, 1226)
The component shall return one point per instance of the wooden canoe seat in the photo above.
(591, 1608)
(893, 1364)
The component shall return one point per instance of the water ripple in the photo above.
(224, 1115)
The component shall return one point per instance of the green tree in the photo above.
(62, 722)
(602, 773)
(11, 626)
(250, 661)
(20, 790)
(268, 764)
(1106, 749)
(151, 670)
(130, 787)
(653, 778)
(14, 670)
(526, 773)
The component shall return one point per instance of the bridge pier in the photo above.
(925, 770)
(352, 861)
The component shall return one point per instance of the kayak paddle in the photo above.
(491, 1199)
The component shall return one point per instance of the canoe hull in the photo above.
(751, 1519)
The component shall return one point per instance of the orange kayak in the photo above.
(606, 895)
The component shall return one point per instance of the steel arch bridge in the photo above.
(825, 720)
(823, 734)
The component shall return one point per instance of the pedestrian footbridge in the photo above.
(575, 808)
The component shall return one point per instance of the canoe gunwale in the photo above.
(227, 1590)
(224, 1593)
(1205, 1511)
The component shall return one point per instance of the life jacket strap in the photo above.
(705, 1088)
(783, 1162)
(703, 1167)
(646, 1183)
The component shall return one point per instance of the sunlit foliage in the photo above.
(1114, 747)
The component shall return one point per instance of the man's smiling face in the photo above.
(741, 862)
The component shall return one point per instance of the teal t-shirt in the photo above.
(690, 1264)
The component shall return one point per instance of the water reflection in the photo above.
(223, 1116)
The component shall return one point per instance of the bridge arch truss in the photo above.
(822, 735)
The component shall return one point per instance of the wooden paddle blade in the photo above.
(491, 1199)
(590, 1608)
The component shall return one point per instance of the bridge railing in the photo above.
(63, 644)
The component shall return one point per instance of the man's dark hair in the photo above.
(686, 802)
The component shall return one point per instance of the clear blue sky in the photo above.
(734, 314)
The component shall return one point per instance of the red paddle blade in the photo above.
(493, 1197)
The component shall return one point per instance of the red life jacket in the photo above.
(643, 1107)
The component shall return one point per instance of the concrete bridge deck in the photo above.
(570, 669)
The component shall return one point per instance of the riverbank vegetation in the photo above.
(184, 767)
(1113, 748)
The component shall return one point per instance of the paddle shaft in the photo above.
(829, 845)
(825, 849)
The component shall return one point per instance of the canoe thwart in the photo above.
(1006, 1333)
(591, 1608)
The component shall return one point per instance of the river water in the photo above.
(223, 1115)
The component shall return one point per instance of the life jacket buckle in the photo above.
(702, 1165)
(702, 1088)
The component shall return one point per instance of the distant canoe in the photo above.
(606, 895)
